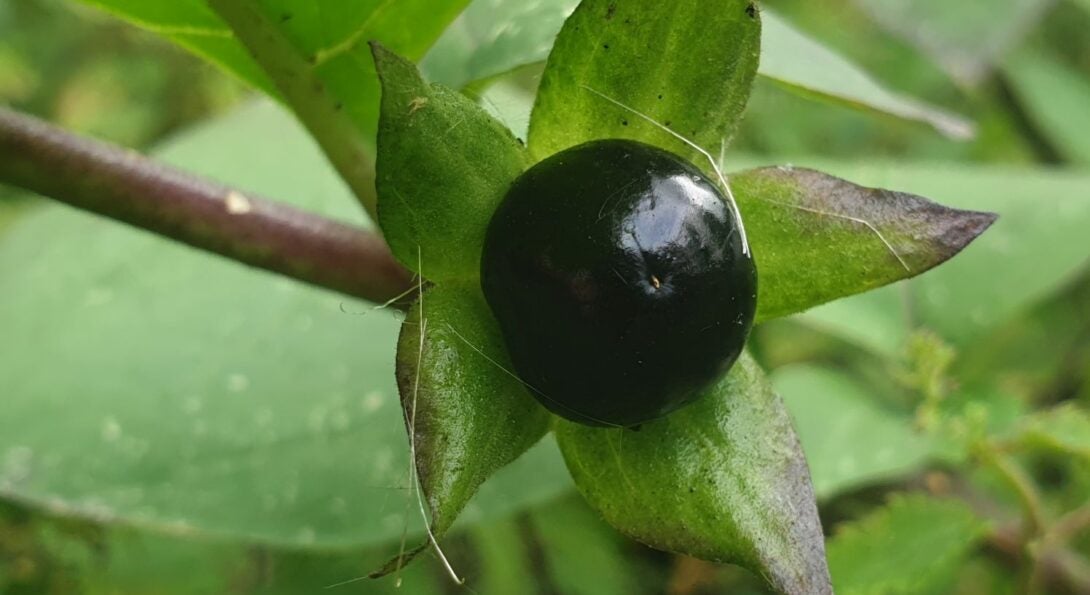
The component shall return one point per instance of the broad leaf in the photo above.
(849, 439)
(681, 64)
(313, 56)
(583, 555)
(64, 557)
(331, 34)
(1055, 97)
(723, 479)
(873, 320)
(1065, 429)
(807, 67)
(817, 238)
(1033, 349)
(9, 212)
(965, 38)
(189, 394)
(194, 26)
(468, 414)
(46, 557)
(1037, 240)
(492, 37)
(504, 558)
(913, 545)
(443, 166)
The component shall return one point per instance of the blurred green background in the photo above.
(172, 423)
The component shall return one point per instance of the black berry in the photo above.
(618, 276)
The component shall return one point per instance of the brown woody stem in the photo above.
(123, 185)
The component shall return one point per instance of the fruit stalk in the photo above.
(123, 185)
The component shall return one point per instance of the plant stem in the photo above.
(1023, 487)
(293, 74)
(123, 185)
(1071, 524)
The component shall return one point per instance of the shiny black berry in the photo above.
(619, 279)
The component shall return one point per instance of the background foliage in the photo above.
(174, 423)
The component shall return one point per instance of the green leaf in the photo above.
(312, 56)
(1034, 348)
(443, 166)
(817, 238)
(194, 26)
(583, 555)
(807, 67)
(849, 440)
(65, 557)
(874, 320)
(913, 544)
(468, 413)
(9, 212)
(1055, 97)
(966, 38)
(1037, 240)
(496, 36)
(186, 393)
(331, 34)
(505, 564)
(510, 103)
(1065, 429)
(685, 64)
(492, 37)
(723, 479)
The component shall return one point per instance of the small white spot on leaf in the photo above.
(264, 418)
(16, 465)
(338, 506)
(372, 402)
(110, 430)
(192, 405)
(238, 383)
(97, 296)
(340, 421)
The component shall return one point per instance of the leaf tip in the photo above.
(987, 218)
(965, 227)
(377, 49)
(386, 59)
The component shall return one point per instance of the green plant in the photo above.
(683, 483)
(723, 479)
